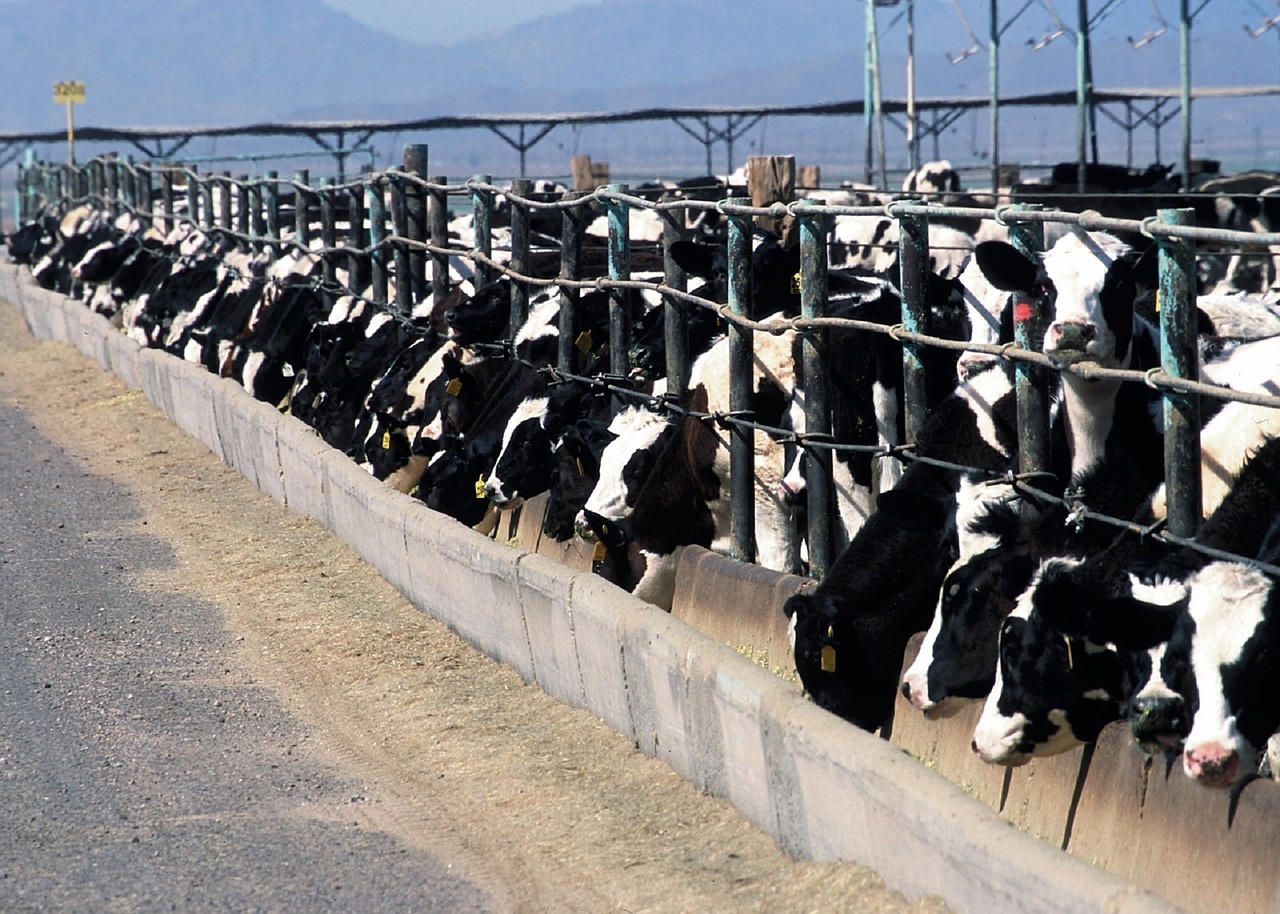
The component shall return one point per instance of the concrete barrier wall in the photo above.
(825, 790)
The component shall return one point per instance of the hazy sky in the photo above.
(423, 20)
(450, 21)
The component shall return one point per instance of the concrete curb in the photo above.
(823, 789)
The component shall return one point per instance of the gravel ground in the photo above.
(366, 725)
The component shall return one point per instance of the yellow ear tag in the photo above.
(583, 342)
(1071, 663)
(828, 658)
(454, 387)
(598, 553)
(795, 284)
(581, 470)
(386, 440)
(480, 493)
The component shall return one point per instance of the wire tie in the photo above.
(1150, 376)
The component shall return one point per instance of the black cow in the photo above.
(883, 587)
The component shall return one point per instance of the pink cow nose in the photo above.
(1212, 765)
(790, 492)
(1072, 334)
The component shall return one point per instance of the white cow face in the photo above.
(1232, 607)
(625, 464)
(1088, 281)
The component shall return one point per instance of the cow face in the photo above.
(1052, 691)
(576, 471)
(1089, 281)
(448, 390)
(484, 317)
(524, 463)
(958, 657)
(449, 483)
(625, 463)
(1233, 664)
(828, 659)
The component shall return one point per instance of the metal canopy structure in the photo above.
(714, 125)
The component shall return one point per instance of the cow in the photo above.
(848, 635)
(958, 657)
(684, 501)
(524, 465)
(1245, 202)
(574, 475)
(1194, 634)
(865, 382)
(1090, 282)
(639, 435)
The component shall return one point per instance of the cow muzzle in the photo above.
(1213, 765)
(1158, 724)
(1067, 342)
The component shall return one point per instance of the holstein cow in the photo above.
(1209, 687)
(639, 436)
(849, 634)
(525, 463)
(574, 475)
(865, 387)
(685, 498)
(1014, 725)
(958, 657)
(1090, 281)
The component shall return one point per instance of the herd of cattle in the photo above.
(1056, 621)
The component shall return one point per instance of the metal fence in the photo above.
(397, 222)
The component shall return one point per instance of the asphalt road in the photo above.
(142, 767)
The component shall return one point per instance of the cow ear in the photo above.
(1006, 267)
(695, 259)
(452, 367)
(1146, 268)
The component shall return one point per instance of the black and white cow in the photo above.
(865, 386)
(849, 634)
(1193, 635)
(684, 501)
(1090, 282)
(526, 461)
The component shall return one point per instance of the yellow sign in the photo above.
(68, 92)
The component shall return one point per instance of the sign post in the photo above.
(69, 94)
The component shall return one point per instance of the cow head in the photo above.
(625, 463)
(525, 461)
(484, 317)
(847, 635)
(1089, 280)
(1053, 691)
(1232, 659)
(958, 657)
